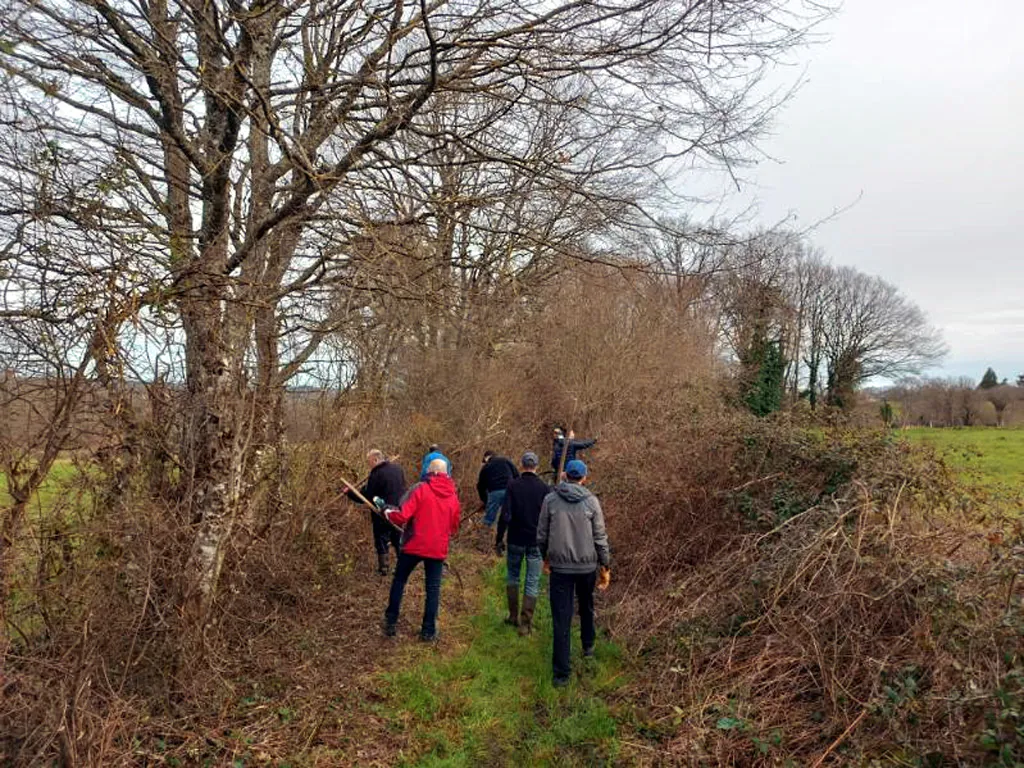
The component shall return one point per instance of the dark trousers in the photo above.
(562, 587)
(432, 571)
(384, 533)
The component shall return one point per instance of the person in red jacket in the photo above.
(430, 516)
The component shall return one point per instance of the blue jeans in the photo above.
(494, 502)
(432, 573)
(514, 560)
(562, 587)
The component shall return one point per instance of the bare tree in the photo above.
(937, 402)
(1002, 397)
(809, 296)
(68, 289)
(242, 148)
(751, 290)
(758, 318)
(871, 330)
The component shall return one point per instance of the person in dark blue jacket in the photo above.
(519, 515)
(559, 444)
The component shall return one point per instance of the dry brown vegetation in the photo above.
(785, 590)
(955, 403)
(241, 247)
(839, 599)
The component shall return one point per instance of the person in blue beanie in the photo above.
(433, 452)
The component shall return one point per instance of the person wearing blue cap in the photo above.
(520, 512)
(574, 543)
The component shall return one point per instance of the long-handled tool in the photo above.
(369, 504)
(567, 437)
(566, 440)
(361, 482)
(470, 518)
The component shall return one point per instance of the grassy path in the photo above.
(484, 696)
(338, 693)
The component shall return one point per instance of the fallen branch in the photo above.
(817, 763)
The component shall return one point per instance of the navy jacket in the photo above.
(495, 476)
(521, 510)
(574, 445)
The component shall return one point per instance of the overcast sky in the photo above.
(916, 107)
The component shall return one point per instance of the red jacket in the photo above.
(430, 516)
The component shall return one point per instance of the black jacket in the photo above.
(386, 480)
(521, 510)
(574, 445)
(494, 476)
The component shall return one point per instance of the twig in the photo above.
(566, 442)
(638, 746)
(749, 483)
(783, 524)
(839, 741)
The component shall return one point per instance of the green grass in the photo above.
(59, 483)
(491, 701)
(55, 507)
(985, 455)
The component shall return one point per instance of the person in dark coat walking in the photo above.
(386, 482)
(520, 513)
(560, 443)
(430, 517)
(572, 539)
(494, 477)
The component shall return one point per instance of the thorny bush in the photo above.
(791, 588)
(826, 595)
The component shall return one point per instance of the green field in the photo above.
(59, 486)
(988, 456)
(51, 514)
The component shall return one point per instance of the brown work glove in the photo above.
(547, 567)
(604, 578)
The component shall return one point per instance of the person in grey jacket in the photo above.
(573, 542)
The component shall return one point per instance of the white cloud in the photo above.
(915, 107)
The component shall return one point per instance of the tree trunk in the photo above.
(214, 348)
(10, 524)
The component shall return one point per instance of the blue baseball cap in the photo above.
(576, 469)
(529, 459)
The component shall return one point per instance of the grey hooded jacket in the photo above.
(571, 534)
